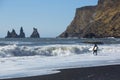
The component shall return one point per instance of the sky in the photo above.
(50, 17)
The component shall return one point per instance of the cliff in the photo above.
(99, 21)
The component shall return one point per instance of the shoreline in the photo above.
(110, 72)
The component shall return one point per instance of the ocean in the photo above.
(31, 57)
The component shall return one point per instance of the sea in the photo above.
(24, 57)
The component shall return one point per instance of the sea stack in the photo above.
(12, 34)
(35, 33)
(22, 34)
(8, 34)
(99, 21)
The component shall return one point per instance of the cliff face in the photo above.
(82, 18)
(102, 20)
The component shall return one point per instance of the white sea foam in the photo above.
(55, 50)
(61, 57)
(51, 50)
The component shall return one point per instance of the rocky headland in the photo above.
(102, 20)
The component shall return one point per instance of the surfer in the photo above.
(95, 48)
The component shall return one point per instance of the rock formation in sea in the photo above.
(22, 34)
(102, 20)
(35, 34)
(13, 34)
(8, 34)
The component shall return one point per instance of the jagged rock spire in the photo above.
(35, 33)
(8, 34)
(14, 34)
(22, 34)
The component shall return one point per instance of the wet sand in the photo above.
(111, 72)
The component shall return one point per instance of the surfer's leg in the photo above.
(96, 53)
(93, 52)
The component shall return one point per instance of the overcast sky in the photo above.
(50, 17)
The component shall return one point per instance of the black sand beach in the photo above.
(111, 72)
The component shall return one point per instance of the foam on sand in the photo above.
(18, 61)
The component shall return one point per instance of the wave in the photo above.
(55, 50)
(50, 50)
(3, 43)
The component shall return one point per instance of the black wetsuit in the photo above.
(95, 49)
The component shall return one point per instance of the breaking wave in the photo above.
(50, 50)
(54, 50)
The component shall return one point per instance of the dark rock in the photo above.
(14, 34)
(98, 21)
(66, 35)
(8, 35)
(82, 18)
(35, 34)
(90, 35)
(22, 34)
